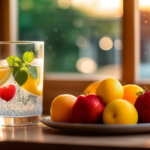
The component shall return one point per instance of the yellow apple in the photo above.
(109, 89)
(120, 111)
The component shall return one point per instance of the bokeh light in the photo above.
(105, 43)
(26, 4)
(118, 44)
(86, 65)
(77, 22)
(93, 22)
(64, 4)
(81, 41)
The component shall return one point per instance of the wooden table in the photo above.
(42, 137)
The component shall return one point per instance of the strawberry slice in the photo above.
(7, 92)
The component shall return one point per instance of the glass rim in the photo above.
(21, 42)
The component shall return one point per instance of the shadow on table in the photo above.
(60, 132)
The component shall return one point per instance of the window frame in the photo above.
(131, 41)
(4, 20)
(56, 86)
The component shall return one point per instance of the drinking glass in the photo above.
(21, 82)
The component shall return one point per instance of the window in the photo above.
(80, 36)
(130, 55)
(144, 71)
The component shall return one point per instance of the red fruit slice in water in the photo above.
(7, 92)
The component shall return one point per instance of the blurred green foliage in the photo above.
(43, 20)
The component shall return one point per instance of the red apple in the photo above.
(87, 109)
(142, 105)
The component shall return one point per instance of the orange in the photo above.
(91, 89)
(5, 73)
(130, 91)
(61, 108)
(109, 90)
(34, 86)
(120, 111)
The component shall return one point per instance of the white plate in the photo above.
(97, 128)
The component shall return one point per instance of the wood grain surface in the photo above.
(40, 136)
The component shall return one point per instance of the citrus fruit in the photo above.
(61, 108)
(91, 89)
(109, 90)
(130, 92)
(34, 86)
(120, 111)
(5, 73)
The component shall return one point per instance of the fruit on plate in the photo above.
(142, 105)
(109, 90)
(130, 92)
(91, 89)
(7, 92)
(87, 109)
(120, 111)
(61, 108)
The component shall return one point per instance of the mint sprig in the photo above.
(28, 57)
(21, 76)
(13, 61)
(21, 67)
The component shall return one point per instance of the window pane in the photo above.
(81, 36)
(144, 7)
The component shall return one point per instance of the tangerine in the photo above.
(91, 89)
(61, 108)
(130, 92)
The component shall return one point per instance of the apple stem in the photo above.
(146, 88)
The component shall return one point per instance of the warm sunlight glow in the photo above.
(144, 5)
(99, 8)
(105, 43)
(2, 133)
(86, 65)
(110, 4)
(64, 4)
(2, 121)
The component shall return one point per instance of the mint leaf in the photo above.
(21, 76)
(13, 61)
(16, 69)
(33, 72)
(22, 68)
(28, 57)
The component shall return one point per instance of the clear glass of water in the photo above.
(21, 82)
